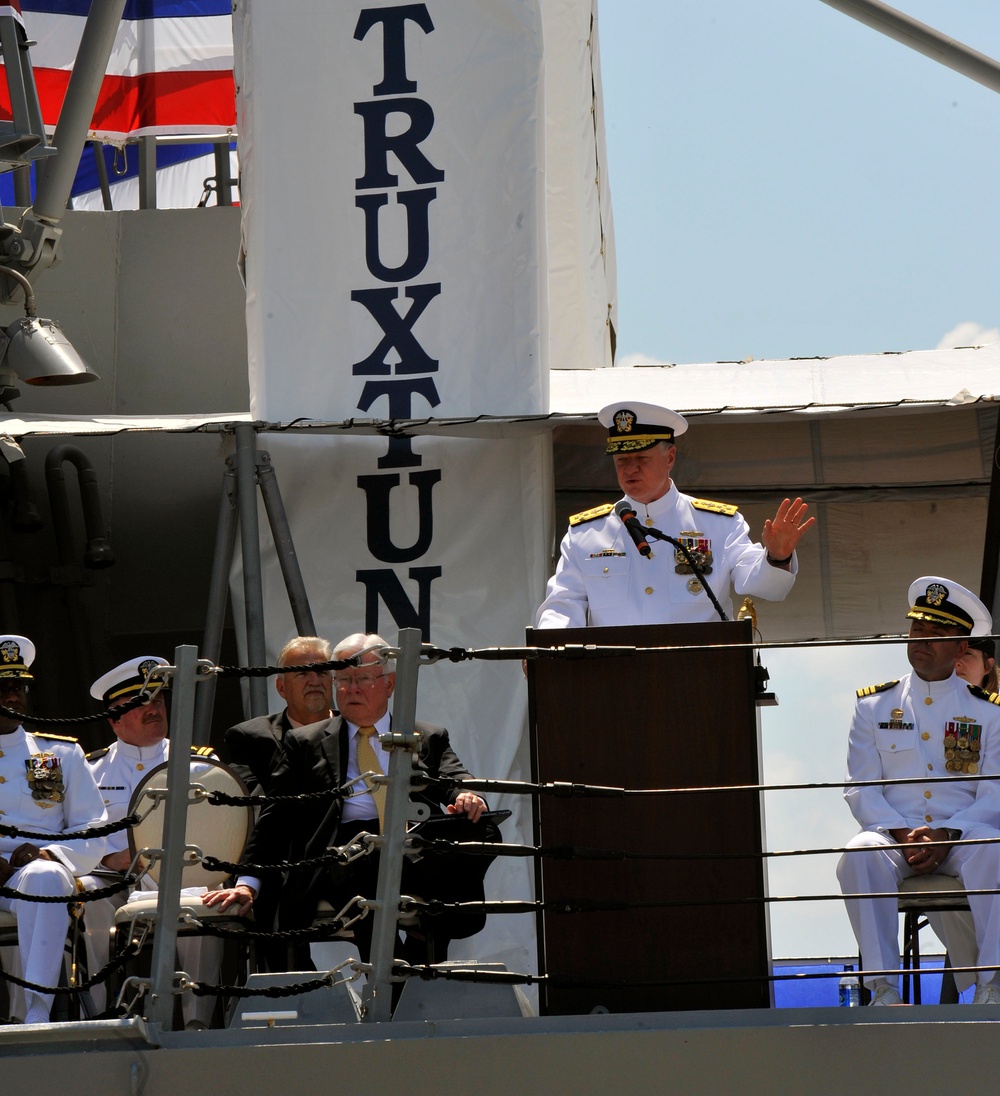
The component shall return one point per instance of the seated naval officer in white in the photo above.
(47, 787)
(929, 724)
(601, 578)
(140, 745)
(955, 928)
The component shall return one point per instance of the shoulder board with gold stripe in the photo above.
(96, 755)
(871, 690)
(203, 751)
(590, 515)
(993, 698)
(715, 507)
(55, 737)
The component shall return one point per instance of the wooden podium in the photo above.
(679, 718)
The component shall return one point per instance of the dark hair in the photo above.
(987, 648)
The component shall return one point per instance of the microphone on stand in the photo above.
(634, 527)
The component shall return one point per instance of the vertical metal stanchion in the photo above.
(223, 174)
(218, 599)
(377, 998)
(298, 599)
(174, 829)
(253, 590)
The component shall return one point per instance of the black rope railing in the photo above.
(434, 907)
(438, 846)
(102, 830)
(455, 973)
(159, 677)
(295, 989)
(71, 899)
(429, 653)
(303, 668)
(576, 651)
(333, 856)
(472, 974)
(441, 847)
(224, 799)
(320, 931)
(67, 721)
(565, 790)
(116, 963)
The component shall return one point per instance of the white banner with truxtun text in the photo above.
(396, 242)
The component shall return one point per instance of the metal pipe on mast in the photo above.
(924, 39)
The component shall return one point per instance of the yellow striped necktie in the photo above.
(368, 762)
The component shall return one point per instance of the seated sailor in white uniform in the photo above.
(928, 725)
(46, 787)
(140, 745)
(605, 576)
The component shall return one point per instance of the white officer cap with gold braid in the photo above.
(633, 426)
(16, 654)
(126, 680)
(942, 601)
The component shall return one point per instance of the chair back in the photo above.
(219, 831)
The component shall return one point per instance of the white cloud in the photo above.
(969, 334)
(637, 359)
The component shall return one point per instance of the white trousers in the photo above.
(877, 869)
(199, 956)
(41, 934)
(957, 931)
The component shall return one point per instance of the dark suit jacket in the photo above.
(314, 758)
(254, 746)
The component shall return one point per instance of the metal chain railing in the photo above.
(440, 846)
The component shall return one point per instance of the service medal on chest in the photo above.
(962, 745)
(700, 549)
(45, 778)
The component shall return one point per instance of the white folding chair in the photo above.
(915, 901)
(219, 831)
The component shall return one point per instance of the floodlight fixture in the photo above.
(36, 350)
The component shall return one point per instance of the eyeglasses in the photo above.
(362, 681)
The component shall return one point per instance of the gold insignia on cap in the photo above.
(10, 651)
(624, 421)
(936, 594)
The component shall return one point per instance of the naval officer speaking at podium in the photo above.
(608, 576)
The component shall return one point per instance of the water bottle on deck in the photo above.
(850, 991)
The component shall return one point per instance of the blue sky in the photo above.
(787, 182)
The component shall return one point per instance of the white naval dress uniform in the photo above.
(42, 927)
(118, 772)
(887, 745)
(602, 580)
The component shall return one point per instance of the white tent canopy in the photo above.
(884, 383)
(893, 451)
